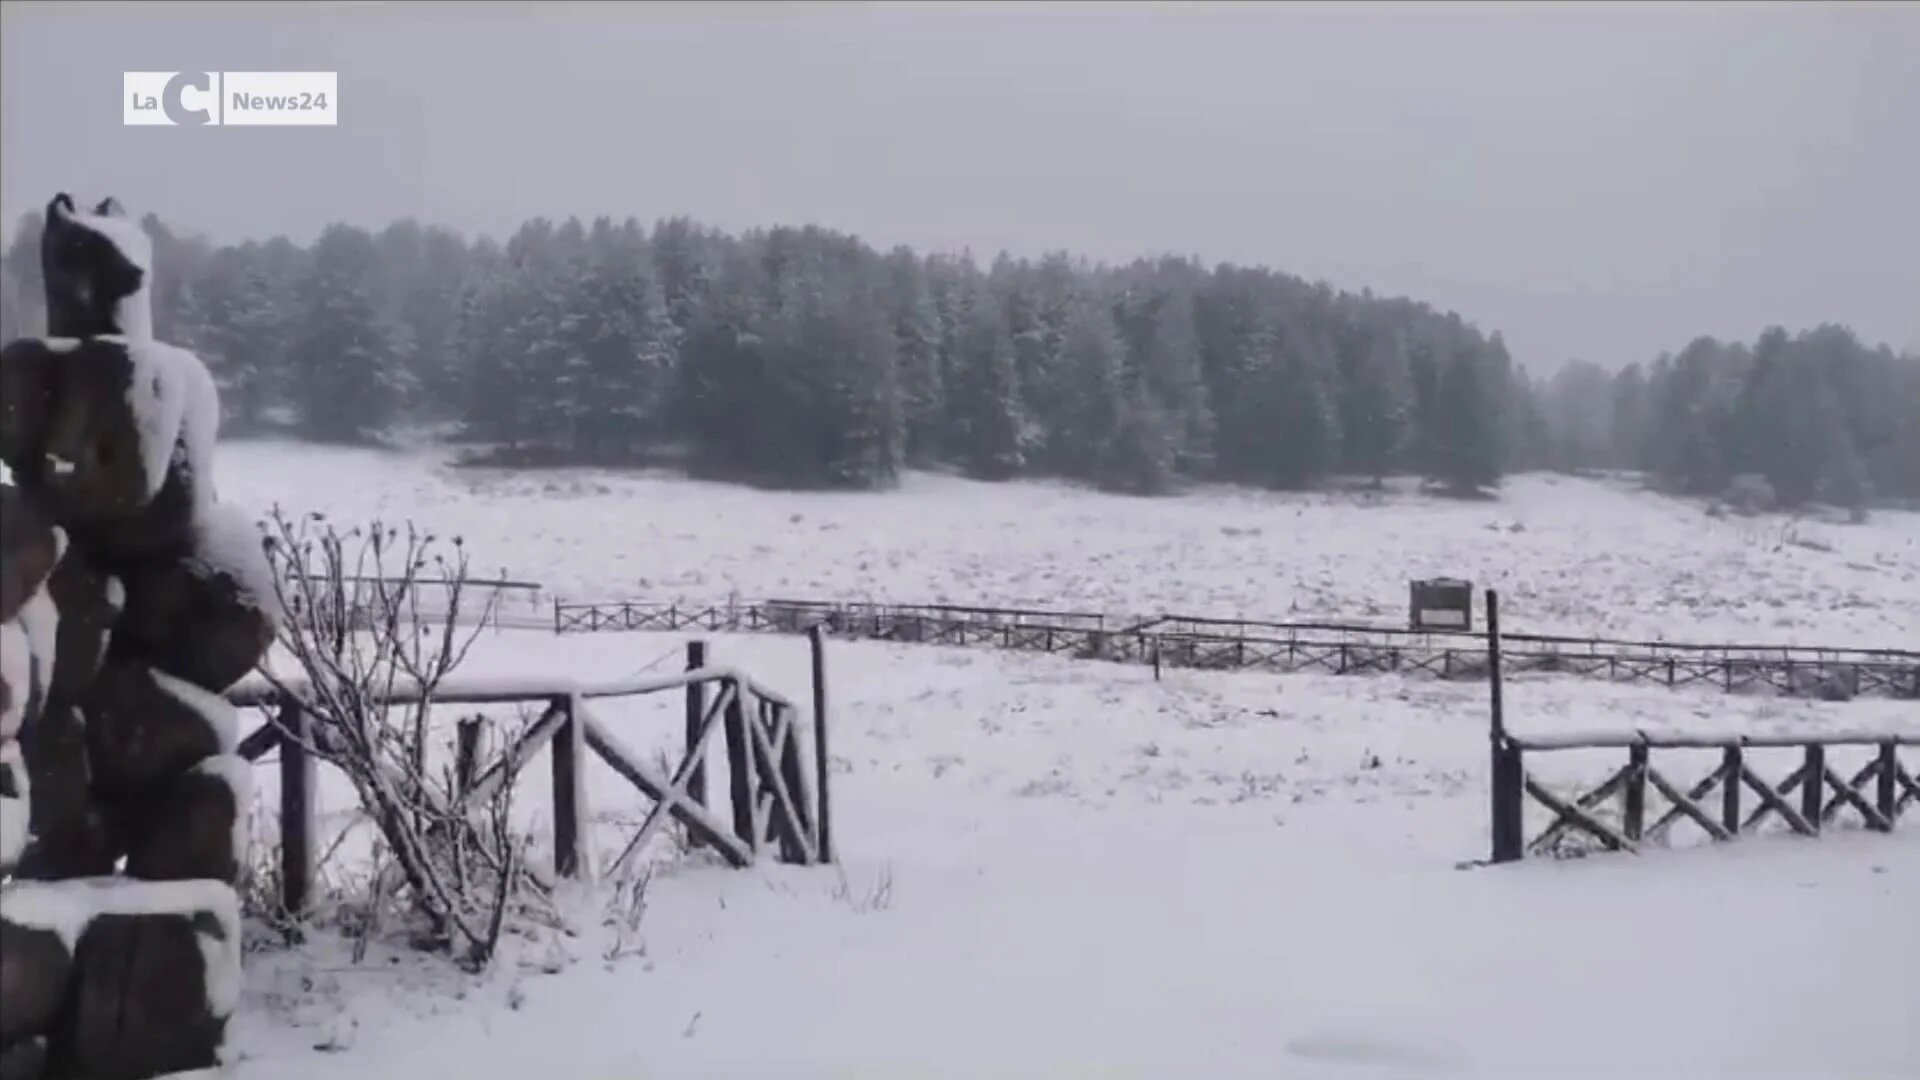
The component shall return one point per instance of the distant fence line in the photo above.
(493, 603)
(1238, 644)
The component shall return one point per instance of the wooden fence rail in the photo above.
(1813, 796)
(776, 792)
(1332, 648)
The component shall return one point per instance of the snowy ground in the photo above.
(1569, 555)
(1054, 868)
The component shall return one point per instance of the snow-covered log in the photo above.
(36, 962)
(29, 370)
(195, 826)
(157, 966)
(70, 837)
(87, 602)
(230, 543)
(123, 456)
(221, 588)
(175, 409)
(32, 546)
(144, 726)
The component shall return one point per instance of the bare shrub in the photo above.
(372, 659)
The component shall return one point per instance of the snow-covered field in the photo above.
(1052, 868)
(1569, 555)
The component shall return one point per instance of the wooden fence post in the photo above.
(696, 712)
(1887, 790)
(793, 773)
(740, 767)
(1498, 720)
(823, 819)
(1731, 764)
(297, 822)
(792, 832)
(1635, 813)
(1509, 769)
(1509, 790)
(1813, 789)
(569, 818)
(466, 754)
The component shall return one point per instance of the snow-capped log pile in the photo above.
(130, 599)
(95, 972)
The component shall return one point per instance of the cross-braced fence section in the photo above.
(1642, 801)
(776, 794)
(1733, 798)
(1330, 648)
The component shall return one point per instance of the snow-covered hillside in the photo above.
(1570, 555)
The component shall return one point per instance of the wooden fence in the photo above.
(776, 793)
(1813, 796)
(1333, 648)
(496, 604)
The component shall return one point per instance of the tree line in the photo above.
(1787, 420)
(802, 357)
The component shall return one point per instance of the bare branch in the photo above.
(356, 629)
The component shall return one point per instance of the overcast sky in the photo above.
(1601, 182)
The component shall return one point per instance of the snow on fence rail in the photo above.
(1813, 796)
(1334, 648)
(776, 794)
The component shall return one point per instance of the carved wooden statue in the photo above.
(130, 600)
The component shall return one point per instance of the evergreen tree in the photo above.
(1374, 407)
(1305, 440)
(1469, 448)
(986, 393)
(801, 356)
(619, 373)
(916, 342)
(243, 334)
(1628, 423)
(343, 358)
(1091, 401)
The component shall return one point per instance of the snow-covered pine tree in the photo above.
(986, 391)
(916, 337)
(241, 334)
(1091, 398)
(342, 358)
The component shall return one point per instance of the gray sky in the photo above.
(1595, 181)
